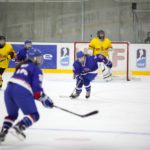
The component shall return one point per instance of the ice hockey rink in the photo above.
(123, 122)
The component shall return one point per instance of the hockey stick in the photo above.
(79, 115)
(64, 96)
(76, 87)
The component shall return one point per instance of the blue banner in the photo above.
(49, 54)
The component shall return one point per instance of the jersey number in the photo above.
(22, 71)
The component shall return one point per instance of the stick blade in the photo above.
(64, 96)
(91, 113)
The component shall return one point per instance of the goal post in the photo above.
(119, 57)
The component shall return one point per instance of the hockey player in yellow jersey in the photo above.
(101, 45)
(6, 54)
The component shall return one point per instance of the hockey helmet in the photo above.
(2, 37)
(80, 54)
(101, 34)
(35, 55)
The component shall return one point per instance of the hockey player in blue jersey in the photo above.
(85, 70)
(24, 86)
(21, 55)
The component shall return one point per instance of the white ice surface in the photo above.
(123, 122)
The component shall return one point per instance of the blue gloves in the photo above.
(79, 77)
(46, 101)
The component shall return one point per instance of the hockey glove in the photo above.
(79, 77)
(46, 101)
(11, 55)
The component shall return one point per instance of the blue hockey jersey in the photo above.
(29, 76)
(90, 65)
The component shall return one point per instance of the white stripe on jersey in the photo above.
(21, 83)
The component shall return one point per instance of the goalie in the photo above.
(85, 70)
(101, 45)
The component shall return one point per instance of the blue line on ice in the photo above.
(93, 131)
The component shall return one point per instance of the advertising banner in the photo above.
(140, 57)
(49, 52)
(65, 55)
(59, 57)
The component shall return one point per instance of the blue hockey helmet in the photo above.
(35, 55)
(80, 54)
(27, 44)
(27, 41)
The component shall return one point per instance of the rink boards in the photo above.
(59, 57)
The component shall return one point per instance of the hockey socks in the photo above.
(26, 122)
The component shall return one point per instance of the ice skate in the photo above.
(87, 95)
(17, 131)
(3, 135)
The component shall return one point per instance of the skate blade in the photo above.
(64, 96)
(68, 97)
(20, 137)
(1, 142)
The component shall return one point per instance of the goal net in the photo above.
(119, 57)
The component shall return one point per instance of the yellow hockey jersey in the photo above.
(100, 47)
(5, 55)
